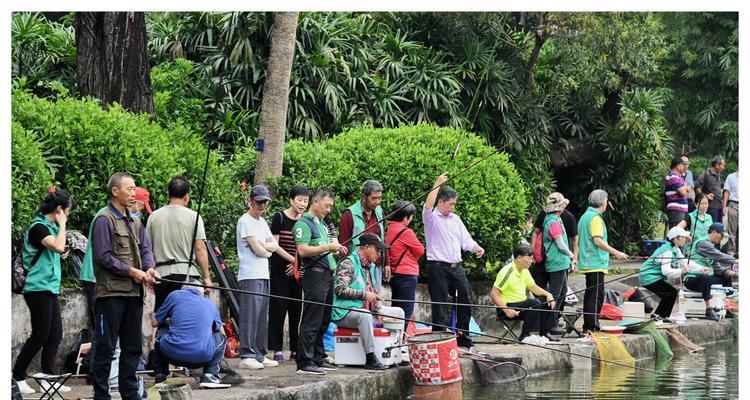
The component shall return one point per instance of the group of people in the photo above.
(302, 255)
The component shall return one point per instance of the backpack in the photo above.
(540, 253)
(17, 272)
(299, 268)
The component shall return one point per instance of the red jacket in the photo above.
(408, 245)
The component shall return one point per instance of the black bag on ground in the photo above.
(83, 336)
(638, 295)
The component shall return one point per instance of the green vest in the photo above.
(700, 228)
(359, 282)
(359, 227)
(45, 274)
(651, 270)
(87, 266)
(590, 256)
(556, 260)
(701, 260)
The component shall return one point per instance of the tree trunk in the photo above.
(112, 63)
(275, 103)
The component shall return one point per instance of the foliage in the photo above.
(177, 97)
(30, 178)
(406, 161)
(93, 143)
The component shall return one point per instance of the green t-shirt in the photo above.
(304, 235)
(513, 290)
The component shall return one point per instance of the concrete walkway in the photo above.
(355, 383)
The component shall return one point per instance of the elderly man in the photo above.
(732, 211)
(446, 236)
(315, 250)
(193, 336)
(509, 292)
(593, 257)
(353, 288)
(717, 267)
(676, 192)
(123, 262)
(709, 183)
(366, 215)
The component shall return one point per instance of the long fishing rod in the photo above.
(463, 331)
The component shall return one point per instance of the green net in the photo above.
(611, 349)
(663, 350)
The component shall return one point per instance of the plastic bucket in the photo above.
(434, 358)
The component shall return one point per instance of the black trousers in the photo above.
(540, 275)
(89, 288)
(404, 287)
(667, 295)
(558, 288)
(46, 333)
(593, 298)
(443, 281)
(702, 283)
(283, 285)
(163, 289)
(533, 321)
(117, 317)
(316, 286)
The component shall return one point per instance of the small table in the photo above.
(570, 318)
(54, 381)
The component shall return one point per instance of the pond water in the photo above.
(712, 373)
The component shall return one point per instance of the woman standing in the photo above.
(43, 243)
(558, 257)
(283, 282)
(404, 256)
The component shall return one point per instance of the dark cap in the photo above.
(371, 239)
(260, 193)
(716, 227)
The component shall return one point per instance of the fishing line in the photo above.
(463, 331)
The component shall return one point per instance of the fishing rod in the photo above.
(462, 331)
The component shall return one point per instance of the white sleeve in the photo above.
(667, 270)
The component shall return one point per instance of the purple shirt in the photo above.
(675, 202)
(101, 242)
(445, 235)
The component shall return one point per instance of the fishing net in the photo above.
(663, 350)
(680, 340)
(611, 349)
(497, 370)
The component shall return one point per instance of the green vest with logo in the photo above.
(358, 282)
(359, 227)
(590, 256)
(651, 270)
(87, 266)
(699, 228)
(701, 260)
(45, 274)
(556, 260)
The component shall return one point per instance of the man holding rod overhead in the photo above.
(446, 236)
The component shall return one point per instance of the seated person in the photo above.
(353, 288)
(717, 267)
(667, 262)
(509, 291)
(194, 337)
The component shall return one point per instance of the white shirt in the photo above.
(251, 265)
(731, 185)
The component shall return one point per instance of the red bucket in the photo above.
(434, 358)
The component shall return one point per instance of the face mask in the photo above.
(136, 214)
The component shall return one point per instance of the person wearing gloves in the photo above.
(667, 263)
(559, 258)
(255, 244)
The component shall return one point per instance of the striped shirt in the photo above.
(282, 225)
(675, 201)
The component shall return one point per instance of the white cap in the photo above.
(677, 231)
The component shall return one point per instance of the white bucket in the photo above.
(633, 311)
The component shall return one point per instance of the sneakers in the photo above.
(251, 363)
(278, 357)
(311, 369)
(211, 381)
(326, 366)
(60, 387)
(269, 363)
(535, 340)
(372, 362)
(711, 314)
(24, 387)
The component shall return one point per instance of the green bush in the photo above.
(407, 160)
(93, 143)
(176, 95)
(30, 178)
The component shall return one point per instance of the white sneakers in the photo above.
(251, 363)
(24, 387)
(269, 363)
(535, 340)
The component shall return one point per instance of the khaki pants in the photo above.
(733, 226)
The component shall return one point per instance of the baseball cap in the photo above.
(717, 227)
(260, 193)
(677, 231)
(143, 195)
(372, 239)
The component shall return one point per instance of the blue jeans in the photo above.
(404, 287)
(162, 360)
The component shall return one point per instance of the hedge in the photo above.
(407, 160)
